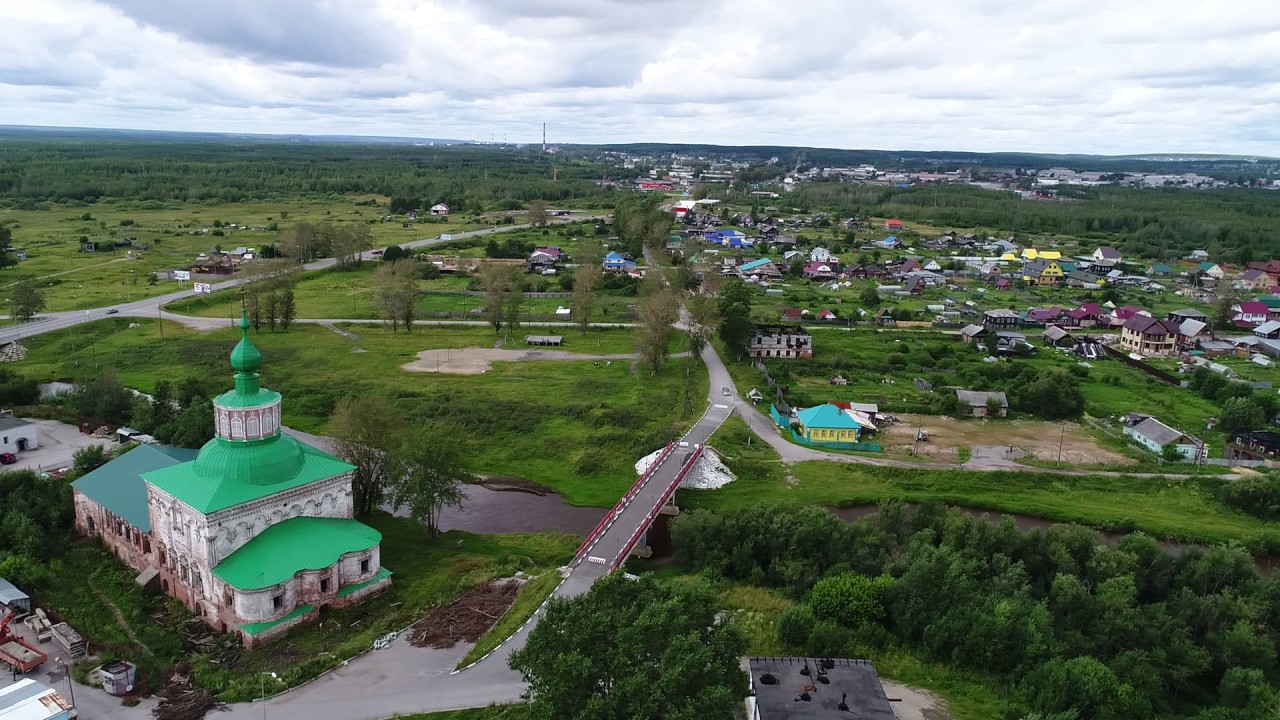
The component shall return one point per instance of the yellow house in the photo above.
(828, 424)
(1042, 272)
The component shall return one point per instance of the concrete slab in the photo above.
(58, 445)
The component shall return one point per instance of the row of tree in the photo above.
(304, 242)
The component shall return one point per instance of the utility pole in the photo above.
(1061, 438)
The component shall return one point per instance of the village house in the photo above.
(983, 404)
(253, 532)
(1042, 271)
(440, 210)
(1000, 319)
(972, 334)
(892, 225)
(1154, 435)
(1249, 314)
(1146, 335)
(1058, 337)
(618, 262)
(762, 268)
(1085, 316)
(822, 255)
(1255, 279)
(831, 425)
(819, 271)
(1107, 254)
(780, 341)
(1210, 270)
(1253, 445)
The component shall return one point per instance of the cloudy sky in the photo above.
(1106, 76)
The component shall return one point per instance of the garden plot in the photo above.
(1037, 439)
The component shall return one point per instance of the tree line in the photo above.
(1062, 623)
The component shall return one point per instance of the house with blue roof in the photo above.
(763, 268)
(837, 425)
(617, 262)
(890, 243)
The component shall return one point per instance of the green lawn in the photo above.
(175, 231)
(1186, 510)
(565, 424)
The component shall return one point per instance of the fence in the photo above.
(1154, 372)
(481, 293)
(657, 508)
(625, 499)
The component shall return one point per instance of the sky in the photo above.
(1069, 76)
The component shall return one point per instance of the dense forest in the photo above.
(1060, 622)
(1235, 224)
(463, 176)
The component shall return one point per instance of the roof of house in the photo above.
(9, 593)
(1271, 301)
(852, 682)
(1206, 266)
(31, 700)
(284, 549)
(1157, 432)
(972, 330)
(1108, 253)
(118, 485)
(1147, 325)
(754, 265)
(827, 416)
(793, 313)
(1252, 307)
(614, 256)
(1001, 313)
(1251, 275)
(1191, 328)
(1053, 332)
(1191, 313)
(1267, 327)
(976, 398)
(10, 422)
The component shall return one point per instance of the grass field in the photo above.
(1185, 510)
(568, 425)
(175, 232)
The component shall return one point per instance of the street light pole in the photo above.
(262, 682)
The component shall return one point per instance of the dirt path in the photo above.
(914, 704)
(124, 624)
(476, 360)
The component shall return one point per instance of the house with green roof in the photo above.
(253, 532)
(831, 425)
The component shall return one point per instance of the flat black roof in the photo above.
(853, 682)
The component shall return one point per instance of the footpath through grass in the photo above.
(1182, 510)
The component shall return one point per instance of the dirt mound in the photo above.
(466, 618)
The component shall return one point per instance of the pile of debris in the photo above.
(180, 700)
(466, 618)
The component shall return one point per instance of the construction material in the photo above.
(180, 700)
(70, 640)
(17, 653)
(466, 618)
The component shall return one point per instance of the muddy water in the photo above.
(487, 511)
(1266, 565)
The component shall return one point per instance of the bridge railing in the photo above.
(657, 507)
(625, 499)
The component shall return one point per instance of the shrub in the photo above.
(795, 625)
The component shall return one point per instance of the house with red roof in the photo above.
(892, 224)
(827, 316)
(1041, 316)
(1146, 335)
(820, 271)
(1085, 316)
(1121, 315)
(793, 314)
(1249, 314)
(1256, 279)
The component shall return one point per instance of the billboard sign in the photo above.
(181, 274)
(203, 288)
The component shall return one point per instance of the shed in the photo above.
(18, 435)
(13, 597)
(977, 401)
(555, 340)
(30, 700)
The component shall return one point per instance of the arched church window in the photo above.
(268, 421)
(252, 426)
(237, 427)
(224, 425)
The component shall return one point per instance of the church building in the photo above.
(253, 532)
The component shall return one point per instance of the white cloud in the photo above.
(1056, 75)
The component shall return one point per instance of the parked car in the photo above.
(725, 390)
(112, 311)
(8, 458)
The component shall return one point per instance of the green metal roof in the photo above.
(285, 549)
(258, 628)
(228, 473)
(381, 575)
(827, 417)
(236, 399)
(118, 485)
(1271, 301)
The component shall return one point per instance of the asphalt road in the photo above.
(151, 307)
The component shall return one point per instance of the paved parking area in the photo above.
(58, 445)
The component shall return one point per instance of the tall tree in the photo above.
(513, 300)
(494, 281)
(659, 309)
(358, 427)
(702, 315)
(537, 213)
(736, 328)
(348, 242)
(288, 307)
(586, 276)
(28, 299)
(7, 257)
(395, 291)
(429, 478)
(634, 649)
